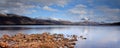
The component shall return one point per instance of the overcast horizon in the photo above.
(72, 10)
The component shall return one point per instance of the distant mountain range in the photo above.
(13, 19)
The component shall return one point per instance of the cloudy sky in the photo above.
(73, 10)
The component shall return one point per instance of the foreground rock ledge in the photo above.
(44, 40)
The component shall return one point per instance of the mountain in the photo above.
(116, 23)
(87, 23)
(13, 19)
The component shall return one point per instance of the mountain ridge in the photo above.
(13, 19)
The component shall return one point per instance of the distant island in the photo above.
(13, 19)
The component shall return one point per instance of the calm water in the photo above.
(97, 36)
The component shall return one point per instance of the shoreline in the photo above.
(44, 40)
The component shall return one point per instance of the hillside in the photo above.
(13, 19)
(112, 24)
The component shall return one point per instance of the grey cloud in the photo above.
(110, 2)
(49, 9)
(108, 10)
(22, 6)
(90, 2)
(97, 13)
(14, 6)
(106, 14)
(78, 9)
(52, 2)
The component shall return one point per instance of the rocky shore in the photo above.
(44, 40)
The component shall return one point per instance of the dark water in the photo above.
(97, 36)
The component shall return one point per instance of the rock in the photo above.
(3, 44)
(44, 40)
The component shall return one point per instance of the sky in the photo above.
(72, 10)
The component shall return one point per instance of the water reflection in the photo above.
(88, 36)
(84, 33)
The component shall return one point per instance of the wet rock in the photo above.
(83, 37)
